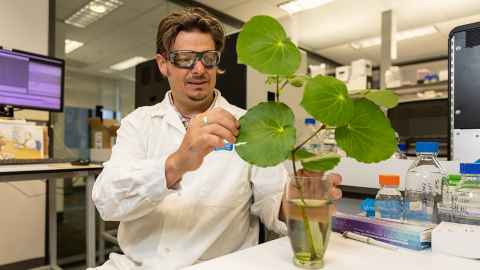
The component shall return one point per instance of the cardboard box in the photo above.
(361, 67)
(102, 133)
(396, 233)
(343, 73)
(359, 83)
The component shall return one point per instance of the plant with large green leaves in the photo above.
(267, 134)
(361, 128)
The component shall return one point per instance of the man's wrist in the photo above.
(173, 172)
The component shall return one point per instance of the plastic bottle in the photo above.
(388, 202)
(449, 185)
(423, 185)
(401, 151)
(315, 144)
(466, 200)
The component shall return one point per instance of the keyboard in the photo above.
(34, 161)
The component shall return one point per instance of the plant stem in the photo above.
(306, 220)
(308, 139)
(277, 90)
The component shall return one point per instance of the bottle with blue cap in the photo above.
(423, 185)
(401, 151)
(466, 200)
(315, 144)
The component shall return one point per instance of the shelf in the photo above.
(406, 89)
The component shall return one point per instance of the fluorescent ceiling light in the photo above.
(128, 63)
(295, 6)
(407, 34)
(72, 45)
(92, 11)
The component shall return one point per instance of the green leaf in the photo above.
(264, 45)
(321, 163)
(301, 154)
(384, 98)
(268, 128)
(368, 137)
(298, 81)
(327, 100)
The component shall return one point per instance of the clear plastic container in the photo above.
(423, 185)
(466, 199)
(389, 201)
(449, 186)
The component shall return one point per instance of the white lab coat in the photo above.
(211, 212)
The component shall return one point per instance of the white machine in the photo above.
(456, 239)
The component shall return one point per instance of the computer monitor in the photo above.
(31, 81)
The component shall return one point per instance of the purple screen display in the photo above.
(30, 81)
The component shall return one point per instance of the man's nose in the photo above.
(198, 68)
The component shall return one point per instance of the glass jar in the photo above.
(466, 199)
(308, 212)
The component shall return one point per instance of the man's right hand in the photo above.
(205, 132)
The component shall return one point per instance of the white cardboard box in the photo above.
(343, 73)
(361, 67)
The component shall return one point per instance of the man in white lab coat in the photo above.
(178, 201)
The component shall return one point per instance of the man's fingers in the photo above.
(220, 131)
(336, 193)
(335, 178)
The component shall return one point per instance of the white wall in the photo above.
(257, 92)
(23, 25)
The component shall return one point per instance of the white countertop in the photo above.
(342, 254)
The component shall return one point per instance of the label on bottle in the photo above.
(415, 206)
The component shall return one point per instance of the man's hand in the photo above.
(205, 132)
(335, 178)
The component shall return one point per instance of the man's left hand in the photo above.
(335, 178)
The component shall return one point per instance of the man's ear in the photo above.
(162, 64)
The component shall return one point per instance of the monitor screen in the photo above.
(31, 81)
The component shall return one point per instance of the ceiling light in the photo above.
(92, 11)
(97, 8)
(403, 35)
(72, 45)
(295, 6)
(128, 63)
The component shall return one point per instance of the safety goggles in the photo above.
(188, 59)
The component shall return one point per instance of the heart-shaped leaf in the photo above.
(327, 100)
(383, 98)
(269, 132)
(321, 163)
(368, 137)
(264, 45)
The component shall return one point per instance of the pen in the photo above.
(368, 240)
(229, 146)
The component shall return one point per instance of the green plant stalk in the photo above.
(306, 221)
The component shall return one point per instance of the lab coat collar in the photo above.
(167, 110)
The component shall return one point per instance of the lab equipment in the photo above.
(457, 240)
(368, 240)
(449, 185)
(423, 185)
(466, 199)
(396, 233)
(388, 202)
